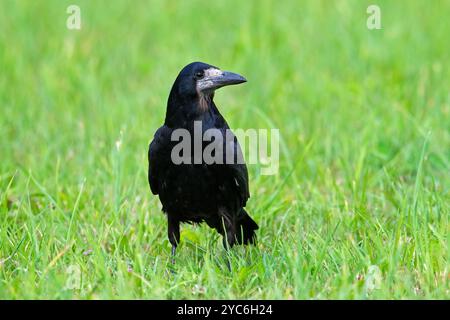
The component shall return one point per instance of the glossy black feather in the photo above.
(194, 193)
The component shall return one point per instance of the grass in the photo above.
(358, 210)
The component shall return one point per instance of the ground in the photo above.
(359, 207)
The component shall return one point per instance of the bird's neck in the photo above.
(185, 113)
(204, 103)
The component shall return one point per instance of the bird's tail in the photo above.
(246, 229)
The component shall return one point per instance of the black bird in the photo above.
(196, 192)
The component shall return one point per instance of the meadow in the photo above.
(359, 208)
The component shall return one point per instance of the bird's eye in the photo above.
(199, 75)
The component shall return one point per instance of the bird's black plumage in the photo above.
(212, 193)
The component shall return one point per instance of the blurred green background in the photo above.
(359, 208)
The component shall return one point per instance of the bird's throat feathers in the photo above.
(204, 100)
(180, 112)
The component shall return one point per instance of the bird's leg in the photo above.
(174, 248)
(230, 237)
(229, 230)
(174, 234)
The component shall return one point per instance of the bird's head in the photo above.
(195, 86)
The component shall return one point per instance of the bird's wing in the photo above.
(157, 157)
(238, 171)
(241, 179)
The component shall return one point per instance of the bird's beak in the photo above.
(219, 80)
(228, 78)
